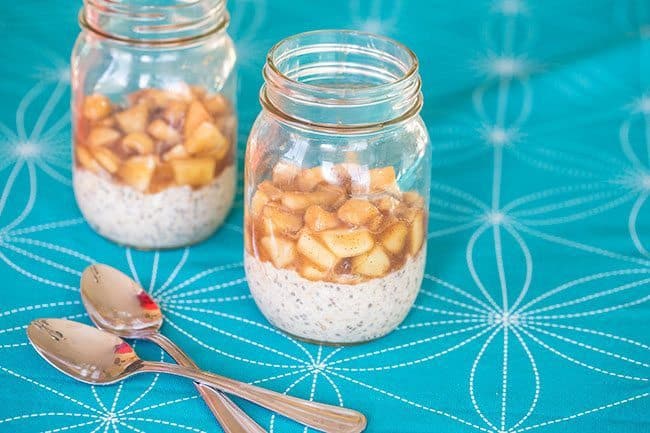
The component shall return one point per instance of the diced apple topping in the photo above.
(218, 105)
(193, 171)
(347, 242)
(308, 179)
(413, 198)
(107, 159)
(137, 171)
(386, 203)
(343, 236)
(271, 191)
(196, 115)
(102, 136)
(311, 272)
(357, 212)
(139, 142)
(374, 263)
(282, 251)
(382, 178)
(296, 201)
(134, 119)
(394, 237)
(207, 138)
(417, 233)
(174, 113)
(318, 219)
(280, 221)
(316, 252)
(96, 107)
(164, 132)
(86, 159)
(284, 174)
(258, 202)
(176, 152)
(176, 127)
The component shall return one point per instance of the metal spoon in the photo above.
(95, 356)
(117, 304)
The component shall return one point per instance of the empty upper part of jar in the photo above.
(342, 80)
(337, 185)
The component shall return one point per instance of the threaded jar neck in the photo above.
(154, 22)
(341, 80)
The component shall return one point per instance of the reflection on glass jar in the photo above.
(337, 186)
(155, 126)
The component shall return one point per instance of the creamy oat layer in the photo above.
(331, 312)
(173, 217)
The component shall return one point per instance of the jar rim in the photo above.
(275, 49)
(341, 81)
(143, 18)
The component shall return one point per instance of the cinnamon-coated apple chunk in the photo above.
(174, 113)
(133, 119)
(309, 178)
(137, 171)
(207, 138)
(193, 171)
(278, 221)
(311, 272)
(196, 115)
(327, 195)
(281, 250)
(102, 136)
(164, 132)
(348, 242)
(382, 178)
(176, 152)
(318, 219)
(386, 203)
(107, 159)
(284, 173)
(271, 191)
(417, 233)
(258, 202)
(394, 237)
(163, 177)
(316, 252)
(374, 263)
(296, 201)
(96, 107)
(218, 105)
(86, 159)
(139, 142)
(357, 211)
(413, 199)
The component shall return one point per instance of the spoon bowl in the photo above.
(83, 352)
(118, 304)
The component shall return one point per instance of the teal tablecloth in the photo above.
(533, 314)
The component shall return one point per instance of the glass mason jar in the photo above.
(154, 123)
(337, 186)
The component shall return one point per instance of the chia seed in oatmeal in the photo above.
(171, 218)
(335, 313)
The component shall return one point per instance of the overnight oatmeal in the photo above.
(158, 172)
(334, 253)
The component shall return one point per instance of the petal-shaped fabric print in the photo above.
(567, 203)
(560, 322)
(452, 210)
(41, 138)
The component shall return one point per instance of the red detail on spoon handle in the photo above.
(146, 302)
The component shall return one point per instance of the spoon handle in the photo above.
(229, 415)
(331, 419)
